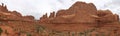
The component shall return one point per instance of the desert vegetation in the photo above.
(1, 31)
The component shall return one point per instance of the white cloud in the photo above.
(36, 7)
(114, 6)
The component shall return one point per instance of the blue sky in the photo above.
(37, 8)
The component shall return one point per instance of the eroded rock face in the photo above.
(3, 8)
(102, 13)
(82, 6)
(52, 15)
(12, 15)
(80, 12)
(29, 17)
(84, 14)
(63, 13)
(12, 21)
(106, 16)
(44, 17)
(16, 13)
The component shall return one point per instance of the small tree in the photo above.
(28, 34)
(1, 31)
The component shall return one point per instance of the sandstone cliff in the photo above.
(82, 16)
(81, 12)
(12, 22)
(81, 19)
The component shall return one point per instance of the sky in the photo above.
(37, 8)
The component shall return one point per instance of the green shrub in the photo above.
(81, 34)
(1, 31)
(39, 29)
(28, 34)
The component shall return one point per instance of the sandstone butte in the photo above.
(81, 19)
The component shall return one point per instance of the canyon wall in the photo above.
(80, 18)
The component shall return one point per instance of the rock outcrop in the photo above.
(12, 15)
(52, 15)
(16, 13)
(3, 8)
(107, 16)
(82, 14)
(29, 17)
(12, 22)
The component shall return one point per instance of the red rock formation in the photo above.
(13, 22)
(44, 16)
(3, 8)
(75, 14)
(82, 6)
(13, 15)
(81, 12)
(44, 19)
(16, 13)
(84, 14)
(52, 15)
(63, 12)
(81, 17)
(102, 13)
(107, 16)
(29, 17)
